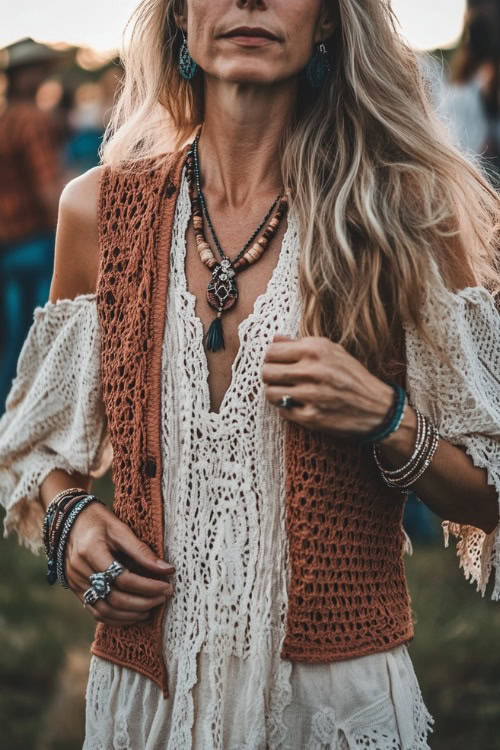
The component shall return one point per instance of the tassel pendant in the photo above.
(215, 335)
(222, 292)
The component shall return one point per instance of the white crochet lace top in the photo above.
(225, 520)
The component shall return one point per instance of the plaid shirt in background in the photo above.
(29, 163)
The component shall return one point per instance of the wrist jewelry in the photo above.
(61, 547)
(392, 419)
(58, 521)
(54, 514)
(426, 444)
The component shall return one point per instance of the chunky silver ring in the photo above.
(100, 584)
(114, 570)
(91, 596)
(286, 402)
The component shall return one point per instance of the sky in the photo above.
(427, 24)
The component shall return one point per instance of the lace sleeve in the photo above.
(54, 415)
(463, 400)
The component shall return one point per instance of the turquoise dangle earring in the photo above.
(187, 66)
(318, 67)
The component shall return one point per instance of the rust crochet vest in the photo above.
(348, 595)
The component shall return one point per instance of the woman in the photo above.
(247, 413)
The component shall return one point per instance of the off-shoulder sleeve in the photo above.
(54, 415)
(463, 400)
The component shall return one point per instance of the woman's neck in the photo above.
(240, 141)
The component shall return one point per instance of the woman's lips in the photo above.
(250, 41)
(251, 37)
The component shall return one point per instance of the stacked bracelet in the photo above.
(392, 419)
(425, 447)
(61, 547)
(59, 519)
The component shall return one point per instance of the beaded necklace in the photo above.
(222, 291)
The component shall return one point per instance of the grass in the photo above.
(456, 652)
(46, 636)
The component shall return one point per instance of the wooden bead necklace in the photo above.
(222, 292)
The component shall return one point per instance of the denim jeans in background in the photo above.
(25, 275)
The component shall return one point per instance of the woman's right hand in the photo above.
(95, 538)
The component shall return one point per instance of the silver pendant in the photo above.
(222, 292)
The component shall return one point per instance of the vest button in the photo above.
(170, 188)
(150, 467)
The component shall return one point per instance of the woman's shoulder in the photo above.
(76, 263)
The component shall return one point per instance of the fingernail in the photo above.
(164, 565)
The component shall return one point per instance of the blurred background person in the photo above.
(30, 185)
(472, 104)
(88, 116)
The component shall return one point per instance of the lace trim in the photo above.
(463, 400)
(141, 718)
(55, 417)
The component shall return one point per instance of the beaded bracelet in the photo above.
(58, 521)
(54, 512)
(392, 419)
(52, 508)
(426, 444)
(60, 497)
(57, 525)
(63, 540)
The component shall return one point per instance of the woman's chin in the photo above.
(246, 75)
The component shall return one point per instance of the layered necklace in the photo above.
(222, 291)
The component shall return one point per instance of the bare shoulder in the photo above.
(76, 263)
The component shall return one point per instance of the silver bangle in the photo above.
(421, 429)
(426, 463)
(61, 547)
(426, 445)
(418, 445)
(417, 455)
(417, 459)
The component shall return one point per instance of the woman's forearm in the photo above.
(452, 486)
(59, 480)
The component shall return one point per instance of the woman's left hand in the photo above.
(336, 393)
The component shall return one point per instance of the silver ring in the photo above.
(91, 596)
(286, 402)
(100, 584)
(114, 570)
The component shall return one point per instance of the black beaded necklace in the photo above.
(222, 292)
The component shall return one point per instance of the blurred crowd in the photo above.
(53, 112)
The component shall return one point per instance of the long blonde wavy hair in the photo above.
(382, 195)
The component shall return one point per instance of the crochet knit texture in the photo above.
(348, 593)
(132, 277)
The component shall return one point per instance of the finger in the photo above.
(284, 351)
(132, 603)
(282, 337)
(274, 394)
(132, 583)
(134, 617)
(97, 559)
(125, 540)
(108, 612)
(276, 373)
(78, 574)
